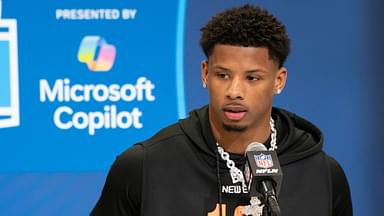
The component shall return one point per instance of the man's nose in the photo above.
(235, 89)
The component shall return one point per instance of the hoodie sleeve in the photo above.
(121, 194)
(341, 196)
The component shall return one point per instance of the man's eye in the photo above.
(223, 75)
(253, 78)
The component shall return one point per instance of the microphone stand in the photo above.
(271, 206)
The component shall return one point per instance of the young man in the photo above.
(183, 169)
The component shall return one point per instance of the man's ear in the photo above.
(280, 80)
(204, 73)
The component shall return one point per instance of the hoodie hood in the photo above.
(297, 138)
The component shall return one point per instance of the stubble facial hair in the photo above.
(234, 128)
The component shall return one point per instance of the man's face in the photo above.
(241, 83)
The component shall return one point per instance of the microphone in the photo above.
(263, 175)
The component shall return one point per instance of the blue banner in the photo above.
(95, 78)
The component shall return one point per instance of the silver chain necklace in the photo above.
(237, 175)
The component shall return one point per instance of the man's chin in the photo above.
(234, 128)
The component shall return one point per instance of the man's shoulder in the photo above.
(335, 168)
(131, 160)
(341, 195)
(170, 132)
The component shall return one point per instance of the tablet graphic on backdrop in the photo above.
(9, 92)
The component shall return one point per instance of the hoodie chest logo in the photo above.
(234, 189)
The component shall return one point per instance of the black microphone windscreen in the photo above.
(261, 165)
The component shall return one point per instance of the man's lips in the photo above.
(234, 112)
(234, 116)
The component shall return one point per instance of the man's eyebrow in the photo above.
(220, 67)
(256, 71)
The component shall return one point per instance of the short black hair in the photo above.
(248, 26)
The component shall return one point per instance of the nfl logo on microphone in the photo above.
(264, 161)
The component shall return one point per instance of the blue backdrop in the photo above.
(55, 162)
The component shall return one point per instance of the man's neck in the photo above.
(235, 141)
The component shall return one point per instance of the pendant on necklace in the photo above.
(255, 209)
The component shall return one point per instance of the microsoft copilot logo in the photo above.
(96, 53)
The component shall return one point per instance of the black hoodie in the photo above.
(178, 172)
